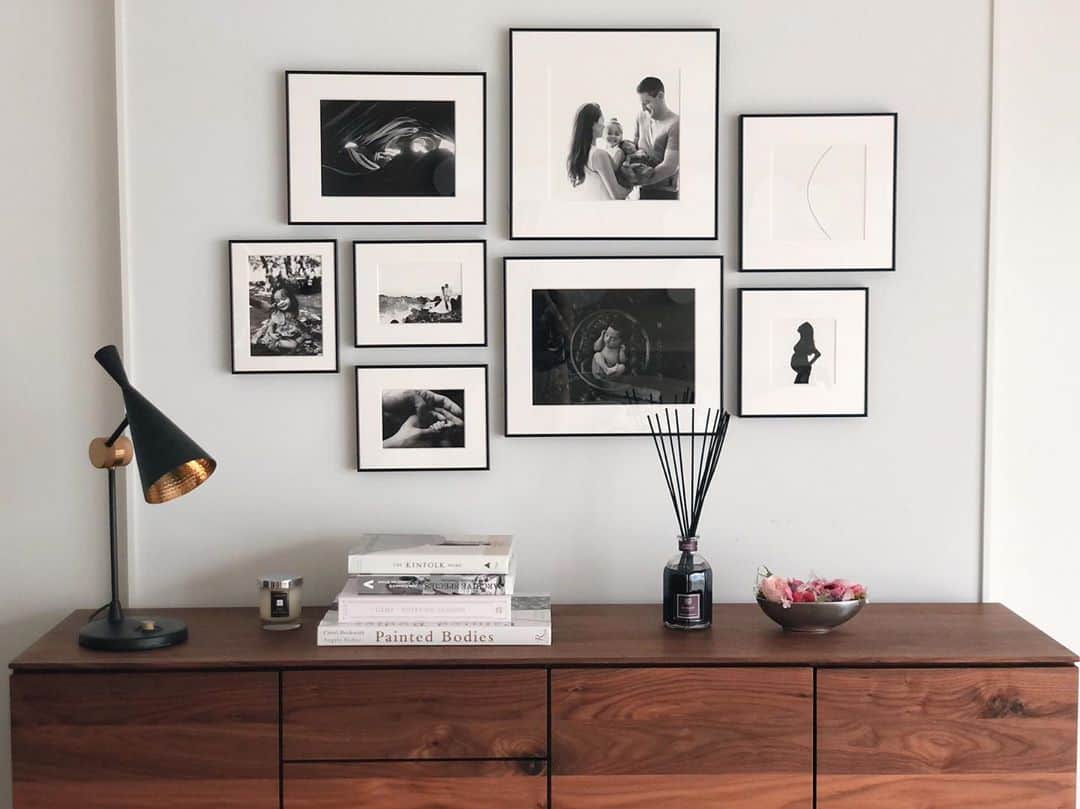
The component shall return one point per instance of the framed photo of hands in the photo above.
(412, 418)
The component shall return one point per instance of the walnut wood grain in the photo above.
(664, 731)
(417, 785)
(598, 634)
(129, 741)
(417, 713)
(991, 737)
(728, 791)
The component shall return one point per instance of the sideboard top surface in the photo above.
(613, 634)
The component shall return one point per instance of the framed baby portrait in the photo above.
(420, 294)
(803, 352)
(412, 418)
(613, 133)
(283, 299)
(594, 344)
(386, 148)
(817, 192)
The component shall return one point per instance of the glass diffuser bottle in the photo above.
(687, 588)
(688, 462)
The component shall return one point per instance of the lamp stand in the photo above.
(117, 632)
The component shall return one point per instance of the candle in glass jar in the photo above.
(279, 601)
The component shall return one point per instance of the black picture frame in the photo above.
(716, 135)
(336, 308)
(417, 73)
(482, 242)
(741, 225)
(487, 416)
(866, 352)
(506, 392)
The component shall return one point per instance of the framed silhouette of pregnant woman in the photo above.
(803, 352)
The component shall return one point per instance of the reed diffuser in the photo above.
(687, 575)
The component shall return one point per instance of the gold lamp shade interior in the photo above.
(180, 481)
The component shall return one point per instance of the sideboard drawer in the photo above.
(992, 738)
(640, 738)
(414, 713)
(417, 785)
(125, 740)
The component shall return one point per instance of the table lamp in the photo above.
(170, 465)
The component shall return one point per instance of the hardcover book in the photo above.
(355, 606)
(431, 553)
(530, 626)
(437, 584)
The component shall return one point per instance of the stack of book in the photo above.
(421, 590)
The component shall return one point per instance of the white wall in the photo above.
(1032, 539)
(58, 227)
(894, 500)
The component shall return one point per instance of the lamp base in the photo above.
(132, 634)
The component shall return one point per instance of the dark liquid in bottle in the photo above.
(687, 594)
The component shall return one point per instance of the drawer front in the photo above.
(417, 785)
(128, 741)
(414, 713)
(922, 738)
(732, 737)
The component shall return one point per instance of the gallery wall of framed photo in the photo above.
(590, 344)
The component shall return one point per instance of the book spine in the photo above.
(391, 635)
(404, 609)
(386, 564)
(464, 585)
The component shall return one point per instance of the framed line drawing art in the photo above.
(613, 133)
(593, 344)
(413, 418)
(803, 352)
(420, 293)
(386, 148)
(283, 301)
(817, 192)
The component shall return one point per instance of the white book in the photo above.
(431, 553)
(355, 605)
(530, 626)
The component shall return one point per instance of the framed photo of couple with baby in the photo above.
(613, 133)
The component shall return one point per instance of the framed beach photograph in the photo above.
(412, 418)
(420, 294)
(803, 352)
(284, 306)
(386, 148)
(613, 133)
(593, 344)
(817, 192)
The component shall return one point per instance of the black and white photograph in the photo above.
(818, 192)
(386, 148)
(420, 293)
(284, 308)
(602, 118)
(803, 352)
(592, 343)
(613, 346)
(421, 417)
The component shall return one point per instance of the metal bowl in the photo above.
(817, 617)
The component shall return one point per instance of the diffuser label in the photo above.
(688, 606)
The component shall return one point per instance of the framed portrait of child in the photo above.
(613, 133)
(283, 299)
(595, 344)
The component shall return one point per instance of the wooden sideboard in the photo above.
(917, 706)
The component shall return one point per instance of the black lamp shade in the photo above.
(170, 463)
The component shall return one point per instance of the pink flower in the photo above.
(803, 595)
(776, 589)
